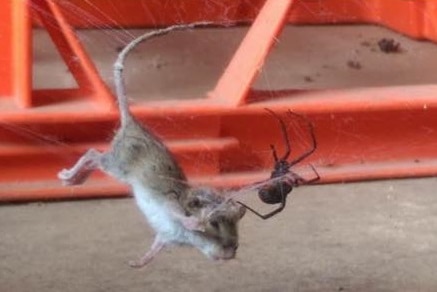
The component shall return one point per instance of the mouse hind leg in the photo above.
(156, 247)
(78, 174)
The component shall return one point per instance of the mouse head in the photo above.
(220, 216)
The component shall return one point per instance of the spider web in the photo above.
(187, 64)
(313, 249)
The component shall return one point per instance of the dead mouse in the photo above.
(179, 214)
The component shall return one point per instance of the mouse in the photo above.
(179, 213)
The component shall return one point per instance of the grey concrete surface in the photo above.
(374, 236)
(188, 64)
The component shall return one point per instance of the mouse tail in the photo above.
(119, 64)
(123, 104)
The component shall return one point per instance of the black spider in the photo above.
(284, 180)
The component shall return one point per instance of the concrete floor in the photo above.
(376, 236)
(305, 57)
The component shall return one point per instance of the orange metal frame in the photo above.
(363, 133)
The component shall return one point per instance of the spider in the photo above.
(284, 179)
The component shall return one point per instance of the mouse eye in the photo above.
(215, 224)
(195, 203)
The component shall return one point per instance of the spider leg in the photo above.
(275, 155)
(284, 134)
(313, 139)
(297, 180)
(276, 211)
(313, 179)
(268, 215)
(251, 210)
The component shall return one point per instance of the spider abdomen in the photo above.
(275, 193)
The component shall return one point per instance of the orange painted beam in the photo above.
(15, 51)
(416, 19)
(73, 54)
(234, 85)
(21, 54)
(363, 133)
(6, 50)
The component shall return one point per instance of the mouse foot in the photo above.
(69, 178)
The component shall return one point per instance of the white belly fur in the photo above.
(170, 229)
(152, 206)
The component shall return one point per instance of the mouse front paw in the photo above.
(193, 223)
